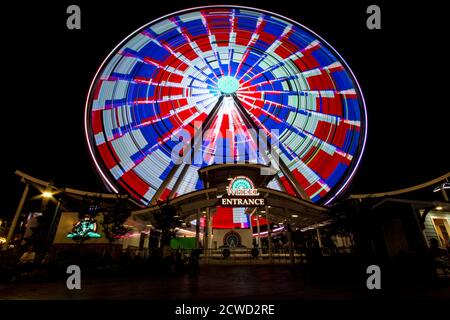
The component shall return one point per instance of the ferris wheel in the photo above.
(232, 70)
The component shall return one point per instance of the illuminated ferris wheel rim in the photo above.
(364, 123)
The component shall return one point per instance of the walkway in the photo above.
(216, 282)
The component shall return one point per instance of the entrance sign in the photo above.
(243, 202)
(241, 192)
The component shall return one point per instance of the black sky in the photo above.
(402, 69)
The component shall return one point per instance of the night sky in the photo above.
(47, 70)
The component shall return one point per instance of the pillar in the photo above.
(318, 238)
(444, 194)
(197, 229)
(290, 244)
(290, 239)
(208, 212)
(258, 229)
(53, 228)
(269, 234)
(205, 235)
(16, 216)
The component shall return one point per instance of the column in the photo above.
(258, 229)
(290, 244)
(53, 228)
(444, 194)
(269, 234)
(205, 235)
(318, 238)
(208, 212)
(197, 229)
(16, 216)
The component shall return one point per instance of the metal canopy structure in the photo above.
(282, 207)
(71, 192)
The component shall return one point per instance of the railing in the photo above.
(248, 256)
(245, 255)
(337, 251)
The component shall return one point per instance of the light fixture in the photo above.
(47, 194)
(444, 186)
(149, 225)
(439, 208)
(294, 215)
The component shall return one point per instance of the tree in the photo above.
(41, 231)
(167, 220)
(3, 230)
(113, 221)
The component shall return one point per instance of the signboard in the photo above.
(232, 240)
(242, 193)
(84, 229)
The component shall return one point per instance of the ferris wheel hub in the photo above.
(228, 84)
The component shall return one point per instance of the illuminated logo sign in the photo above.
(232, 240)
(242, 193)
(84, 229)
(242, 186)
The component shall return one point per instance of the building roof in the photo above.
(281, 207)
